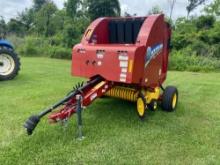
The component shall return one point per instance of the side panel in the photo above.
(138, 67)
(112, 62)
(167, 38)
(97, 30)
(154, 35)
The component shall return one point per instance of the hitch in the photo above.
(84, 95)
(31, 123)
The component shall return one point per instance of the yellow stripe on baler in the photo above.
(130, 66)
(99, 85)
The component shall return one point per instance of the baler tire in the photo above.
(141, 100)
(11, 55)
(153, 105)
(169, 99)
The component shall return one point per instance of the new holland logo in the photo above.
(152, 52)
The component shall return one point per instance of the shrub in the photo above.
(16, 41)
(34, 46)
(60, 52)
(181, 62)
(200, 48)
(56, 40)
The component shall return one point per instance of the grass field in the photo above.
(114, 134)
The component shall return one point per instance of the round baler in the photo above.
(126, 58)
(9, 61)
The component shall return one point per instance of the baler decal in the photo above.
(122, 57)
(124, 70)
(152, 52)
(124, 64)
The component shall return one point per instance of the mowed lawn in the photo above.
(114, 134)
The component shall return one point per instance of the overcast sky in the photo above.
(10, 8)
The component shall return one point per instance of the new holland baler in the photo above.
(124, 57)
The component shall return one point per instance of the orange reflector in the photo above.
(130, 66)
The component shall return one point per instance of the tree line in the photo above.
(43, 29)
(45, 19)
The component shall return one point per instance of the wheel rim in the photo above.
(174, 101)
(140, 107)
(155, 105)
(7, 64)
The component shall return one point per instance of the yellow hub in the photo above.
(174, 101)
(140, 107)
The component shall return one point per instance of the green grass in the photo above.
(114, 134)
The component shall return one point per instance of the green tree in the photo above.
(58, 20)
(3, 27)
(213, 8)
(27, 18)
(73, 30)
(44, 19)
(38, 4)
(193, 4)
(102, 8)
(205, 22)
(72, 7)
(155, 10)
(16, 27)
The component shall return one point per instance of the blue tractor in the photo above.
(9, 61)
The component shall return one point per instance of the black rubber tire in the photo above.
(16, 59)
(145, 105)
(167, 98)
(153, 105)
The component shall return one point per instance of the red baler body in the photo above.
(125, 50)
(124, 58)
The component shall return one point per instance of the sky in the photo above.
(11, 8)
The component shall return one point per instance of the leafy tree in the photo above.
(38, 4)
(27, 18)
(58, 20)
(155, 10)
(73, 30)
(183, 34)
(193, 4)
(72, 7)
(205, 22)
(3, 28)
(16, 27)
(44, 19)
(102, 8)
(213, 8)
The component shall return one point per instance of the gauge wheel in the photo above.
(153, 105)
(170, 99)
(141, 106)
(9, 64)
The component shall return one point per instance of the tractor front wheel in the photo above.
(170, 99)
(9, 64)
